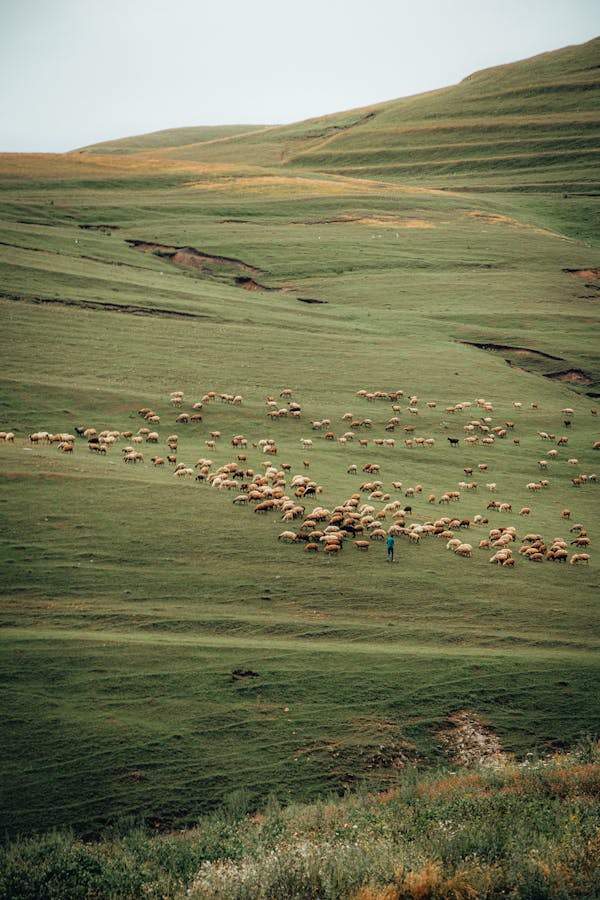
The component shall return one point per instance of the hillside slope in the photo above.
(532, 124)
(170, 137)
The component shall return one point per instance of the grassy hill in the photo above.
(171, 137)
(532, 124)
(162, 649)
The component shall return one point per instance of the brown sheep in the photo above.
(580, 558)
(362, 545)
(464, 550)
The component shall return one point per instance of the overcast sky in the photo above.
(76, 72)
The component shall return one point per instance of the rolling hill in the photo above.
(530, 125)
(163, 649)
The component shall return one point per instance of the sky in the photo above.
(78, 72)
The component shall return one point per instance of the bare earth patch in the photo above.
(584, 274)
(571, 376)
(372, 222)
(497, 219)
(468, 742)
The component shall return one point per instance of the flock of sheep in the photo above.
(373, 510)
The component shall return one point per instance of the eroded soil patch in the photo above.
(584, 274)
(220, 267)
(469, 742)
(504, 348)
(190, 256)
(571, 376)
(497, 219)
(371, 221)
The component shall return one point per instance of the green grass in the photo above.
(520, 831)
(130, 597)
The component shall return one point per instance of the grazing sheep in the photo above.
(501, 555)
(332, 548)
(362, 545)
(580, 558)
(558, 555)
(464, 550)
(133, 457)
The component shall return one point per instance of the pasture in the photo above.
(162, 649)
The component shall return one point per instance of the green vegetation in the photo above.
(164, 656)
(527, 831)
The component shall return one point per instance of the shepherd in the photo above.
(390, 548)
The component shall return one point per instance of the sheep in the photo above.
(332, 548)
(500, 556)
(311, 547)
(362, 545)
(287, 536)
(558, 555)
(535, 557)
(464, 550)
(580, 558)
(133, 457)
(525, 511)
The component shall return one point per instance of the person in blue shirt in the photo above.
(390, 548)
